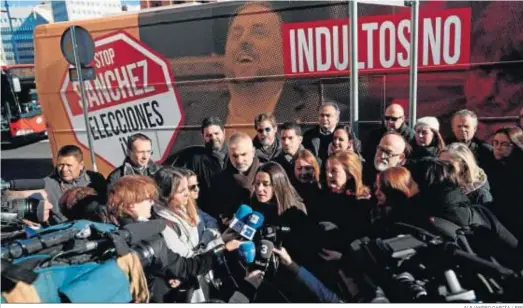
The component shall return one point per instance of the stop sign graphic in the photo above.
(133, 93)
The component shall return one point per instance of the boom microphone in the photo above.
(254, 222)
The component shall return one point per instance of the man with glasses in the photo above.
(464, 127)
(138, 160)
(317, 139)
(267, 141)
(393, 121)
(391, 151)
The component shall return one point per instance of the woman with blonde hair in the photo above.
(473, 180)
(347, 200)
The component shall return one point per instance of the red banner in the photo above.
(322, 47)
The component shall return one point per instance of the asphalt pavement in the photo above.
(26, 161)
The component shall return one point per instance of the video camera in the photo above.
(93, 248)
(421, 267)
(13, 211)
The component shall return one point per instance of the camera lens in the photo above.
(408, 284)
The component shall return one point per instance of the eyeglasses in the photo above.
(393, 119)
(388, 153)
(266, 129)
(194, 187)
(502, 144)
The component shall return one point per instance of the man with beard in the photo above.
(232, 186)
(391, 151)
(291, 138)
(208, 160)
(267, 141)
(393, 121)
(464, 127)
(317, 139)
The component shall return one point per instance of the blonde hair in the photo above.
(352, 165)
(470, 172)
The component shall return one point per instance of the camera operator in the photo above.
(130, 200)
(442, 197)
(69, 172)
(82, 203)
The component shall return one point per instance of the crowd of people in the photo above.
(328, 187)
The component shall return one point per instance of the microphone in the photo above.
(237, 223)
(23, 184)
(254, 222)
(247, 251)
(263, 257)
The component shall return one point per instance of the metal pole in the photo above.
(82, 94)
(15, 50)
(354, 108)
(413, 80)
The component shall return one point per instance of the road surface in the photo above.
(30, 161)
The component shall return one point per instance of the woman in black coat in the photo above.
(274, 197)
(428, 141)
(505, 173)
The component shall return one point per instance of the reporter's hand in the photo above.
(255, 278)
(330, 255)
(283, 254)
(228, 235)
(232, 245)
(174, 283)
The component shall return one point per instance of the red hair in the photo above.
(127, 191)
(352, 166)
(397, 182)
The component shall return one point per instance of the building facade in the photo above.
(66, 10)
(17, 29)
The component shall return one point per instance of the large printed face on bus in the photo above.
(254, 43)
(493, 88)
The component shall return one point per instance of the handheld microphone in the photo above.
(241, 214)
(247, 251)
(263, 257)
(254, 222)
(24, 184)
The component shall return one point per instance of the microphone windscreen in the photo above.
(243, 211)
(247, 251)
(27, 184)
(255, 220)
(266, 248)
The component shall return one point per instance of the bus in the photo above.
(22, 116)
(161, 71)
